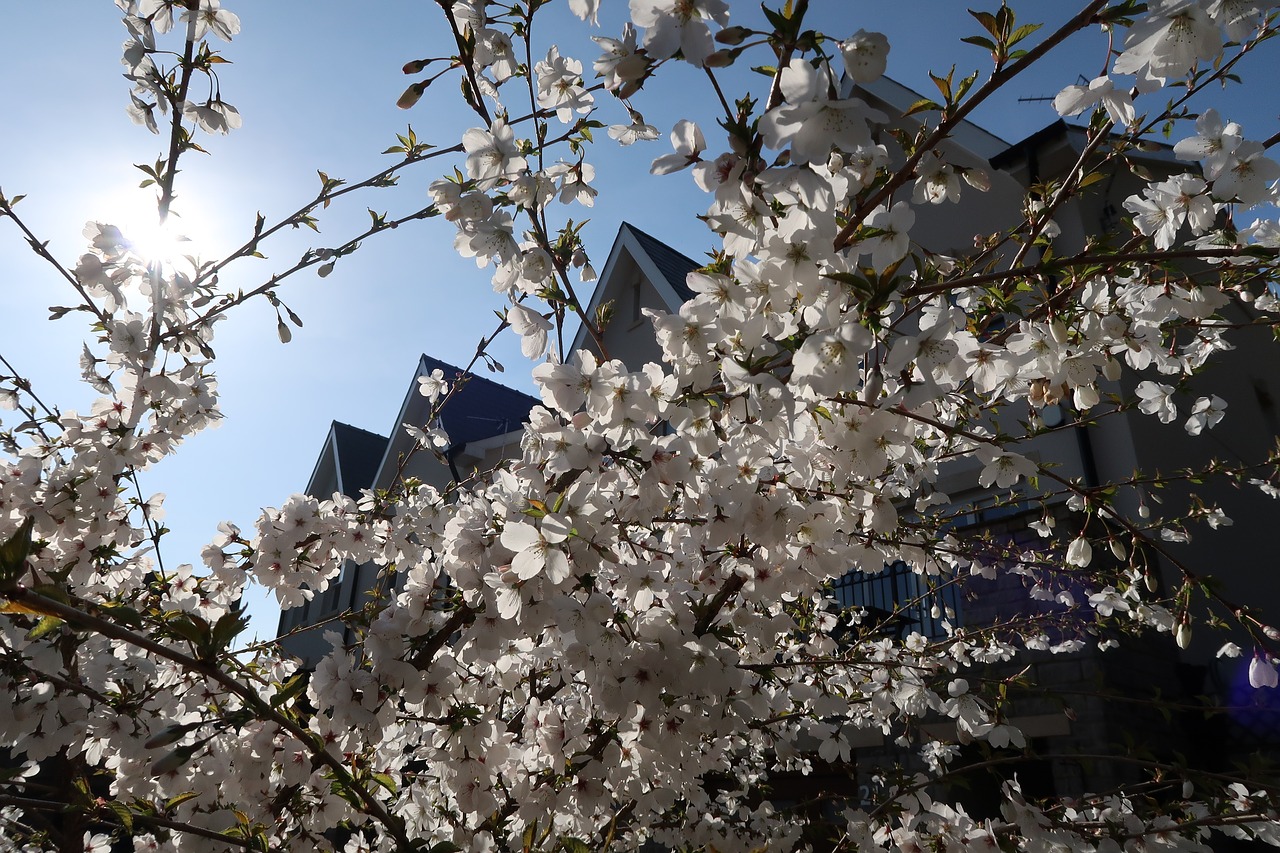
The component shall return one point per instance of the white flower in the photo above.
(1247, 175)
(492, 155)
(535, 551)
(1262, 672)
(214, 116)
(620, 65)
(1172, 37)
(1157, 400)
(679, 25)
(1205, 414)
(1074, 100)
(532, 328)
(627, 134)
(893, 244)
(210, 17)
(810, 122)
(97, 843)
(830, 362)
(586, 10)
(1002, 467)
(1080, 553)
(937, 181)
(1213, 143)
(1108, 601)
(687, 139)
(433, 386)
(865, 56)
(560, 86)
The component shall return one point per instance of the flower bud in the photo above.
(1262, 672)
(733, 35)
(1079, 552)
(1183, 635)
(720, 59)
(412, 94)
(977, 178)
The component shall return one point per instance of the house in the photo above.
(482, 419)
(642, 274)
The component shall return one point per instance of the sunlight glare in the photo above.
(168, 243)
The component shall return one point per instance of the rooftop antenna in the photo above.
(1081, 80)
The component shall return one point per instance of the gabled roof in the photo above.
(673, 266)
(481, 409)
(664, 268)
(899, 99)
(359, 452)
(1077, 137)
(348, 462)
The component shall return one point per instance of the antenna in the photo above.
(1081, 80)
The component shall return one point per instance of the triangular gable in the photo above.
(359, 454)
(663, 267)
(478, 411)
(895, 99)
(326, 467)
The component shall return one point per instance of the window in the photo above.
(898, 601)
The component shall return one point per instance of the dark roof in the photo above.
(480, 409)
(673, 265)
(1152, 150)
(359, 455)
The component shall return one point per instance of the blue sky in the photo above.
(316, 83)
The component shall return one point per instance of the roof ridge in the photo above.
(473, 376)
(345, 425)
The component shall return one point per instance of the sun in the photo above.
(160, 242)
(169, 243)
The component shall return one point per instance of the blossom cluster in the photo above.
(628, 633)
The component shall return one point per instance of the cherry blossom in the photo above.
(492, 155)
(640, 628)
(865, 56)
(679, 25)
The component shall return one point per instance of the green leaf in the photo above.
(291, 688)
(13, 553)
(980, 41)
(385, 780)
(46, 626)
(174, 802)
(188, 627)
(174, 761)
(574, 845)
(944, 84)
(1022, 32)
(122, 813)
(170, 735)
(122, 614)
(921, 106)
(1091, 178)
(226, 629)
(988, 22)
